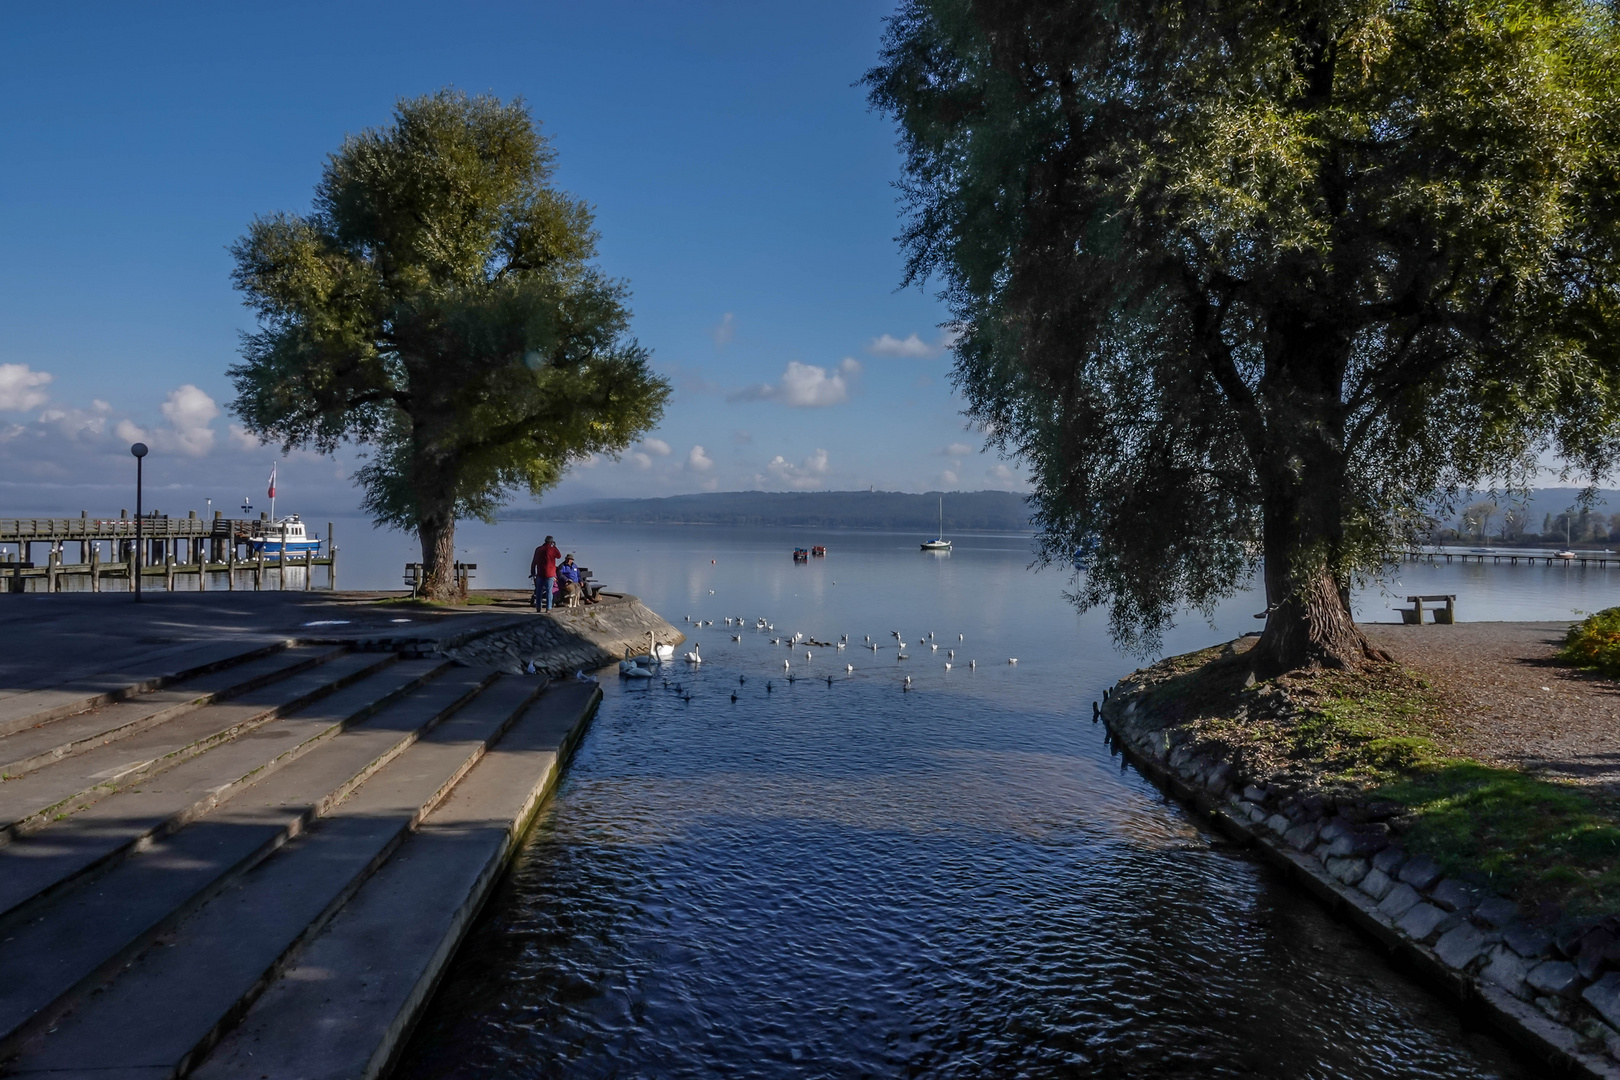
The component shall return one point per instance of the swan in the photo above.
(694, 657)
(634, 672)
(664, 653)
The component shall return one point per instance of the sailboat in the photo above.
(939, 543)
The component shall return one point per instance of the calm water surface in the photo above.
(958, 880)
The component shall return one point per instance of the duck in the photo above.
(960, 637)
(829, 680)
(933, 648)
(874, 646)
(694, 657)
(972, 664)
(742, 680)
(950, 654)
(807, 656)
(769, 686)
(901, 656)
(736, 637)
(734, 697)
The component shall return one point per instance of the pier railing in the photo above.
(181, 554)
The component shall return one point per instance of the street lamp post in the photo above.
(139, 450)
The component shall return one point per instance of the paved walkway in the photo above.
(1513, 704)
(46, 640)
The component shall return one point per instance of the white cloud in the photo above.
(807, 474)
(806, 386)
(913, 347)
(190, 413)
(20, 388)
(656, 446)
(243, 438)
(724, 330)
(955, 449)
(1002, 473)
(948, 476)
(698, 460)
(889, 345)
(642, 460)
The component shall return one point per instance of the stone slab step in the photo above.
(129, 678)
(344, 1005)
(167, 1007)
(89, 932)
(54, 791)
(35, 868)
(24, 751)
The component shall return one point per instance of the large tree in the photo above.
(439, 306)
(1250, 284)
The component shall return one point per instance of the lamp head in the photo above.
(139, 450)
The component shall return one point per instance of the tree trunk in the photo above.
(1308, 619)
(437, 531)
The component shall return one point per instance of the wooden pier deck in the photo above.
(1601, 560)
(245, 839)
(187, 554)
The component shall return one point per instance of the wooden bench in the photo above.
(1413, 615)
(463, 572)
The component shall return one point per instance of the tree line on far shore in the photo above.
(1518, 526)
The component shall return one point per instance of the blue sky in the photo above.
(741, 187)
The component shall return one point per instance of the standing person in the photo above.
(543, 568)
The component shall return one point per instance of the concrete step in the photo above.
(167, 1006)
(35, 868)
(31, 748)
(54, 791)
(128, 678)
(342, 1008)
(90, 931)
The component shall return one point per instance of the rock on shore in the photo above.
(564, 640)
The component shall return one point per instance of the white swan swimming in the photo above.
(664, 653)
(694, 657)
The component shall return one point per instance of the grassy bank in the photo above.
(1384, 737)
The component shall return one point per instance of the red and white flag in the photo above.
(272, 480)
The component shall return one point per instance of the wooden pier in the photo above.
(1513, 558)
(188, 554)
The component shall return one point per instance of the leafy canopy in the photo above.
(1265, 278)
(439, 304)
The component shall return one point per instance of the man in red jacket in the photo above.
(543, 568)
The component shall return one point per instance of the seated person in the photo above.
(568, 581)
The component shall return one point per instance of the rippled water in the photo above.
(858, 880)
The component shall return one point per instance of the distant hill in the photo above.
(974, 511)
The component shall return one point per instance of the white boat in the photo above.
(287, 535)
(939, 543)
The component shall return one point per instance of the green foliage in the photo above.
(1263, 280)
(1524, 836)
(439, 305)
(1594, 642)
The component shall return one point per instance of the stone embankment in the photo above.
(1557, 995)
(566, 640)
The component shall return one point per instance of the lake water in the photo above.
(855, 879)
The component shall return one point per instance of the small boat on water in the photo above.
(287, 535)
(801, 555)
(939, 543)
(819, 551)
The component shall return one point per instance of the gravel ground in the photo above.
(1514, 705)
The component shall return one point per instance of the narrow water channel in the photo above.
(859, 880)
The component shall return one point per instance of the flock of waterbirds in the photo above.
(649, 665)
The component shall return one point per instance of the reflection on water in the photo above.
(859, 880)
